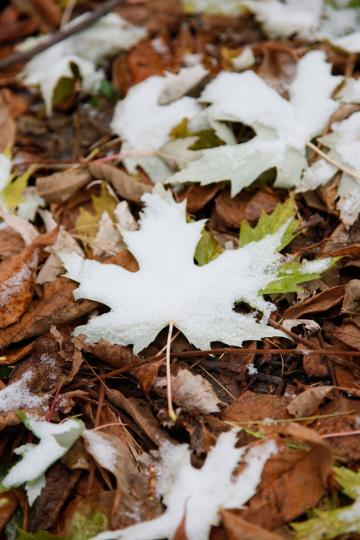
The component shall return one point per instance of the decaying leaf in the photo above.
(17, 277)
(191, 392)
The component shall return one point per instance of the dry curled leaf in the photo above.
(191, 392)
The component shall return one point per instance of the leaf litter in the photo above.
(179, 254)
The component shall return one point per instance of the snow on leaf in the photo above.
(350, 93)
(107, 36)
(214, 7)
(199, 494)
(334, 523)
(243, 163)
(344, 149)
(54, 441)
(144, 124)
(180, 84)
(283, 126)
(191, 392)
(288, 18)
(170, 287)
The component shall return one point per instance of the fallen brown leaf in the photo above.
(238, 528)
(316, 304)
(17, 281)
(244, 207)
(292, 481)
(252, 407)
(128, 187)
(60, 186)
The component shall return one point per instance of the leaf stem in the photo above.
(171, 411)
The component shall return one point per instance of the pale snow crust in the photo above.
(54, 441)
(311, 20)
(344, 145)
(350, 93)
(144, 124)
(286, 18)
(170, 287)
(107, 36)
(101, 449)
(17, 395)
(283, 126)
(199, 494)
(5, 170)
(179, 84)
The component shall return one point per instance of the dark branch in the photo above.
(60, 35)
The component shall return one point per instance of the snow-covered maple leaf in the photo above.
(54, 441)
(283, 126)
(199, 494)
(344, 149)
(144, 124)
(109, 35)
(170, 287)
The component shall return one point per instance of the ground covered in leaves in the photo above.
(179, 270)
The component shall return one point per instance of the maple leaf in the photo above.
(55, 441)
(199, 494)
(334, 523)
(283, 126)
(78, 53)
(144, 124)
(170, 287)
(344, 145)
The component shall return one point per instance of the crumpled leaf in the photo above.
(334, 523)
(283, 127)
(55, 441)
(344, 145)
(191, 392)
(84, 50)
(198, 494)
(128, 187)
(307, 403)
(144, 125)
(202, 301)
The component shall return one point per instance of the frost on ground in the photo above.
(198, 494)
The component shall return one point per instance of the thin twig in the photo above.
(59, 35)
(332, 161)
(217, 352)
(171, 411)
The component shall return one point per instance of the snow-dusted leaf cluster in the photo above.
(197, 495)
(81, 52)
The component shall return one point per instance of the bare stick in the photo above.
(60, 35)
(332, 161)
(171, 411)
